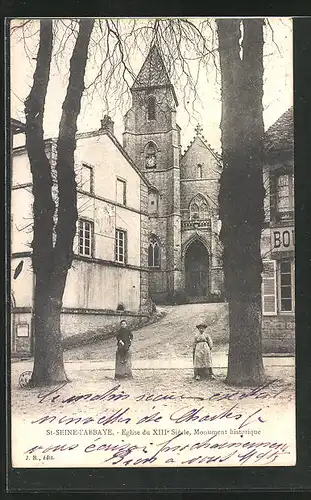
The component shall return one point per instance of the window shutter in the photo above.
(267, 198)
(125, 248)
(269, 288)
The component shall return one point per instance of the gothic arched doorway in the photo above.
(197, 270)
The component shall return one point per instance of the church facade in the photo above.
(184, 251)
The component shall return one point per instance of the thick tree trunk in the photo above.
(51, 264)
(48, 357)
(241, 193)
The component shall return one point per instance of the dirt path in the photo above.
(171, 337)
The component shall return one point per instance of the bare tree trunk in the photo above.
(241, 193)
(48, 357)
(51, 264)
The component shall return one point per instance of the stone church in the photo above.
(184, 252)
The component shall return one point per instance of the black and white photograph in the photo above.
(152, 256)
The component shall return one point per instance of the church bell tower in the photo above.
(152, 140)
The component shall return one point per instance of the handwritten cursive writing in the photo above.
(115, 417)
(181, 415)
(264, 391)
(194, 415)
(249, 451)
(110, 395)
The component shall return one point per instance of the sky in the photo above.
(278, 87)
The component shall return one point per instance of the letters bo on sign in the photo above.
(282, 239)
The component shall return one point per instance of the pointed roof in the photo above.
(96, 133)
(199, 138)
(17, 126)
(153, 73)
(280, 136)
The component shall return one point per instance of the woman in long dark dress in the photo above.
(123, 367)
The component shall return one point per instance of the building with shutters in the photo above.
(184, 252)
(278, 237)
(108, 279)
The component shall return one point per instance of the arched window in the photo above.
(204, 210)
(199, 208)
(151, 107)
(154, 252)
(194, 211)
(151, 155)
(199, 171)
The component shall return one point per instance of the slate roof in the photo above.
(96, 133)
(279, 138)
(153, 73)
(17, 126)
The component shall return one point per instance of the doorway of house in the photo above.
(197, 271)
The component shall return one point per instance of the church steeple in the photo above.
(153, 73)
(152, 139)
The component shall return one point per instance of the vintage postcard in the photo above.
(152, 243)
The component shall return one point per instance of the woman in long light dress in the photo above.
(202, 357)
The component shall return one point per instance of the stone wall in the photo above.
(144, 236)
(77, 326)
(82, 328)
(278, 334)
(190, 189)
(217, 281)
(208, 185)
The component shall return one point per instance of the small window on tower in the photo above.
(199, 171)
(151, 155)
(151, 107)
(153, 202)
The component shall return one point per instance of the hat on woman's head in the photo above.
(202, 324)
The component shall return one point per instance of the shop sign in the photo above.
(282, 239)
